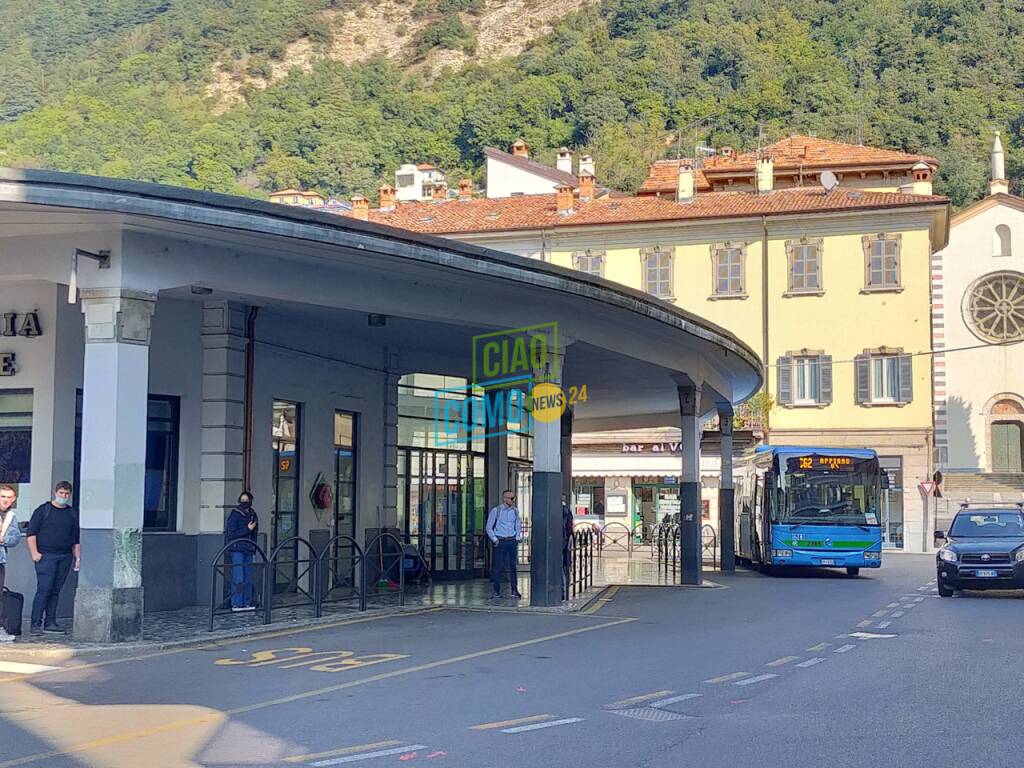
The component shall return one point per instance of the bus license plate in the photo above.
(986, 574)
(828, 562)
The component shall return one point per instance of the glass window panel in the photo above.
(16, 402)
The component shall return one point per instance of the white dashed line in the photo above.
(918, 599)
(752, 680)
(538, 726)
(884, 624)
(893, 605)
(844, 648)
(810, 662)
(865, 623)
(21, 668)
(879, 614)
(819, 647)
(728, 678)
(368, 755)
(675, 699)
(897, 614)
(782, 661)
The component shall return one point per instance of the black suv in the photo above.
(983, 549)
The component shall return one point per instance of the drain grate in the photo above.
(650, 713)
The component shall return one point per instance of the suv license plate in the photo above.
(986, 574)
(833, 562)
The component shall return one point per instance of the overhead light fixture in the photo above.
(376, 321)
(102, 262)
(200, 290)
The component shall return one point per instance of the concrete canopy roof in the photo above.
(631, 350)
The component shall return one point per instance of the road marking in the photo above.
(368, 755)
(319, 661)
(728, 678)
(638, 699)
(651, 714)
(819, 647)
(884, 624)
(908, 606)
(865, 623)
(602, 600)
(675, 699)
(923, 589)
(844, 648)
(897, 614)
(342, 751)
(893, 605)
(758, 679)
(538, 726)
(870, 636)
(782, 661)
(918, 599)
(810, 662)
(177, 725)
(879, 614)
(507, 723)
(21, 668)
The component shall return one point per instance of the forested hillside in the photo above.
(130, 87)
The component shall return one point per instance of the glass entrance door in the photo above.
(892, 502)
(285, 492)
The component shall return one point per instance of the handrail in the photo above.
(713, 547)
(311, 568)
(221, 568)
(329, 547)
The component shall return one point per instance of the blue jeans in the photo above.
(505, 549)
(51, 573)
(241, 580)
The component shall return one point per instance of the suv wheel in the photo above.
(945, 591)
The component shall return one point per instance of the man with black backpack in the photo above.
(53, 541)
(9, 537)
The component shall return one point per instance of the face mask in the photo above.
(61, 502)
(245, 504)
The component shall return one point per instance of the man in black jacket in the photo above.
(240, 532)
(53, 541)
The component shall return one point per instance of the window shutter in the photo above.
(825, 378)
(785, 380)
(862, 364)
(906, 378)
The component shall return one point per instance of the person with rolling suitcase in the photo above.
(9, 537)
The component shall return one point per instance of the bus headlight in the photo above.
(872, 555)
(782, 553)
(947, 555)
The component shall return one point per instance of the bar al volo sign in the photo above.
(14, 324)
(670, 447)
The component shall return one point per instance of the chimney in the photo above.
(519, 149)
(564, 161)
(587, 166)
(466, 189)
(684, 185)
(764, 176)
(726, 152)
(563, 199)
(998, 185)
(922, 173)
(586, 187)
(387, 198)
(439, 193)
(360, 208)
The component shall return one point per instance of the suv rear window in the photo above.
(988, 522)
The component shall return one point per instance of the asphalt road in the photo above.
(763, 671)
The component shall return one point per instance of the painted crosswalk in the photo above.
(23, 668)
(755, 680)
(810, 662)
(727, 678)
(539, 726)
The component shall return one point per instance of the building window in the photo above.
(15, 436)
(284, 500)
(994, 307)
(727, 262)
(881, 262)
(590, 262)
(344, 473)
(804, 265)
(884, 377)
(404, 180)
(160, 498)
(657, 272)
(1002, 240)
(804, 378)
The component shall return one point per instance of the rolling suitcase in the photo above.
(14, 604)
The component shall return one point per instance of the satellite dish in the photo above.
(829, 180)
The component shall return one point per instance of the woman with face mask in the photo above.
(240, 532)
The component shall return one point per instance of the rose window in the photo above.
(995, 307)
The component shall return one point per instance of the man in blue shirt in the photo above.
(505, 531)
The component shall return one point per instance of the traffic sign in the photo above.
(927, 487)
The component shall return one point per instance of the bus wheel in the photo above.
(852, 571)
(766, 569)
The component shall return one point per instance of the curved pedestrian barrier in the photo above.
(382, 566)
(615, 537)
(233, 575)
(285, 559)
(340, 566)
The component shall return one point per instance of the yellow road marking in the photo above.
(783, 660)
(638, 699)
(226, 642)
(601, 601)
(180, 724)
(507, 723)
(345, 751)
(728, 678)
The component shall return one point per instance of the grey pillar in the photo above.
(546, 517)
(566, 455)
(388, 516)
(689, 488)
(109, 602)
(496, 457)
(726, 493)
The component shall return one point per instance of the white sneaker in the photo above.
(6, 638)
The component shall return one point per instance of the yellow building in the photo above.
(831, 286)
(304, 197)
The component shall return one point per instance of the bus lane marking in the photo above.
(810, 662)
(819, 647)
(317, 661)
(507, 723)
(728, 678)
(342, 751)
(638, 699)
(538, 726)
(753, 680)
(783, 661)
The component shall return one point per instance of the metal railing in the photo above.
(225, 569)
(300, 569)
(340, 584)
(709, 544)
(616, 537)
(579, 572)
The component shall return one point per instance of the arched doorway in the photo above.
(1006, 434)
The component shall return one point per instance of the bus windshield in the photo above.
(847, 496)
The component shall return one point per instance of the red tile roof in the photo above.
(537, 211)
(791, 153)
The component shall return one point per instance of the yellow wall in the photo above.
(842, 322)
